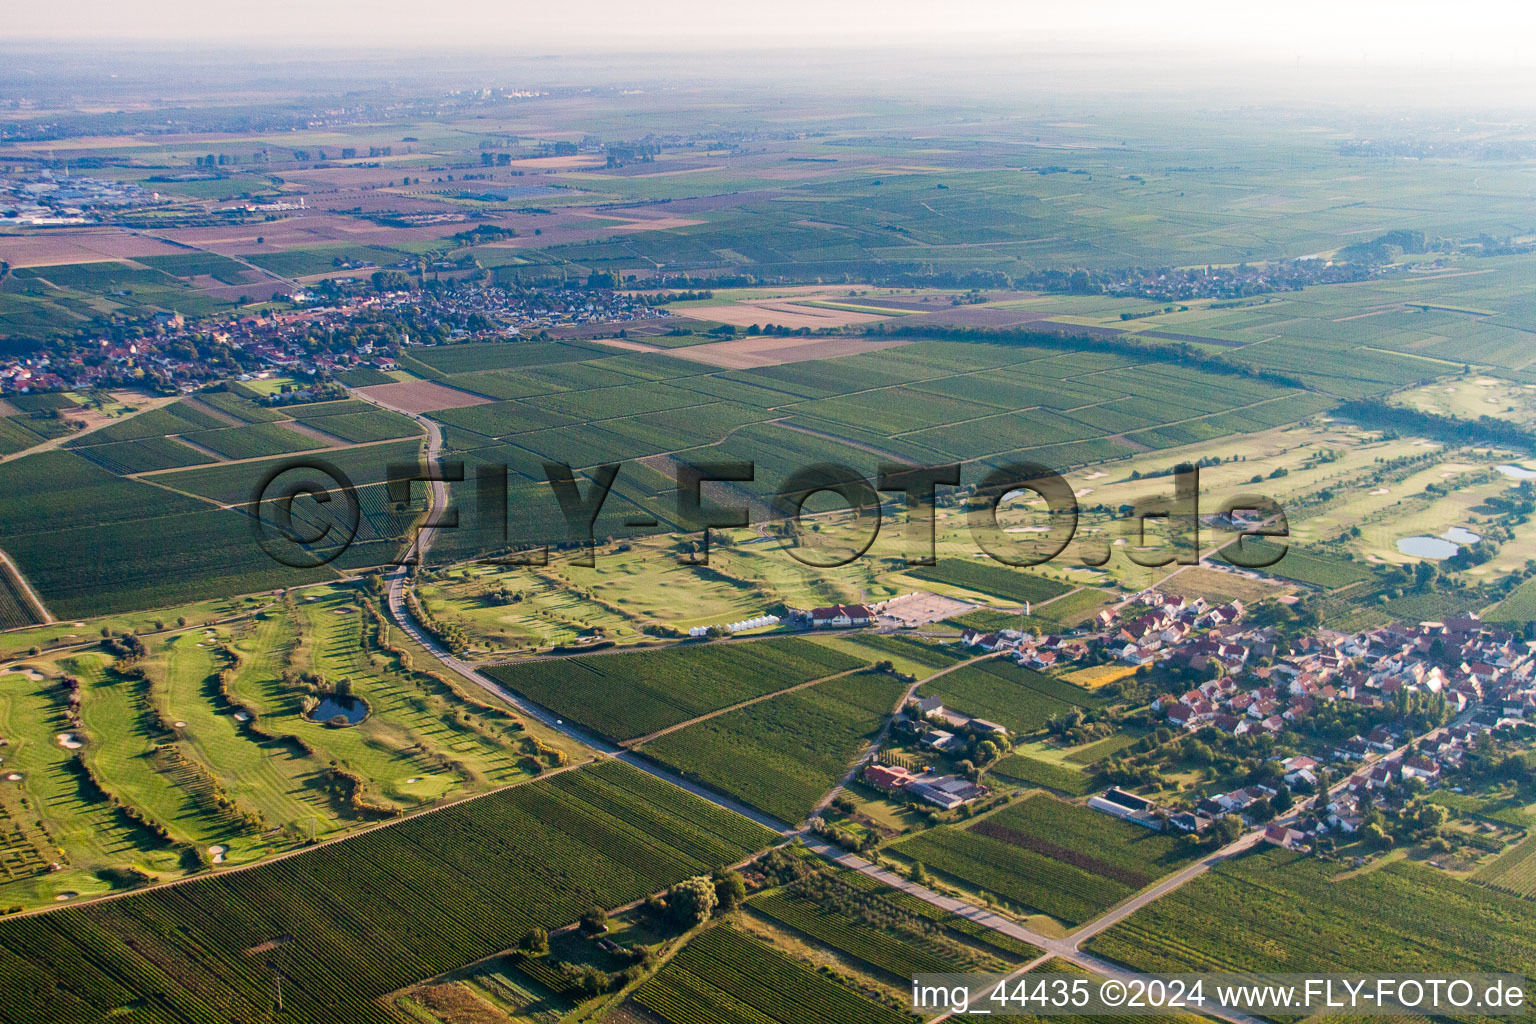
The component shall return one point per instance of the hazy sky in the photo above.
(1401, 31)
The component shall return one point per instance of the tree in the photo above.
(692, 900)
(594, 921)
(730, 890)
(1227, 829)
(1377, 837)
(535, 941)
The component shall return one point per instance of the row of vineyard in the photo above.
(723, 977)
(627, 695)
(352, 921)
(1272, 911)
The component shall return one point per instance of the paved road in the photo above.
(399, 611)
(1067, 948)
(1070, 947)
(885, 730)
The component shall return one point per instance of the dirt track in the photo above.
(749, 353)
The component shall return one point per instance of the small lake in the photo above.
(350, 709)
(1443, 546)
(1517, 472)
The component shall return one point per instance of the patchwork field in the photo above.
(723, 976)
(625, 696)
(1043, 855)
(1019, 698)
(783, 754)
(606, 834)
(211, 739)
(1274, 911)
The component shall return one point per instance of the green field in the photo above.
(627, 695)
(1275, 911)
(208, 741)
(782, 755)
(1019, 698)
(606, 834)
(1047, 856)
(1021, 769)
(995, 580)
(724, 977)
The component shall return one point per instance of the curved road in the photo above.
(1068, 948)
(399, 610)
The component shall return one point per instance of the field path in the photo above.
(1070, 947)
(55, 442)
(39, 609)
(247, 264)
(885, 730)
(638, 740)
(1052, 948)
(399, 611)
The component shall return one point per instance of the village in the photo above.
(331, 332)
(1478, 679)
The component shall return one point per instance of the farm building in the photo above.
(947, 791)
(888, 778)
(1126, 806)
(840, 616)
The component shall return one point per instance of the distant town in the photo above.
(335, 329)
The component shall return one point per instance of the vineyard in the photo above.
(723, 977)
(624, 696)
(1327, 572)
(1029, 771)
(1031, 881)
(1513, 871)
(15, 609)
(430, 894)
(999, 580)
(869, 928)
(1281, 912)
(253, 440)
(92, 543)
(1020, 698)
(1048, 856)
(1005, 946)
(783, 754)
(1142, 852)
(143, 455)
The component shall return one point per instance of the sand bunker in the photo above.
(68, 742)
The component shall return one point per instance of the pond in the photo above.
(1517, 472)
(1427, 547)
(1443, 546)
(338, 710)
